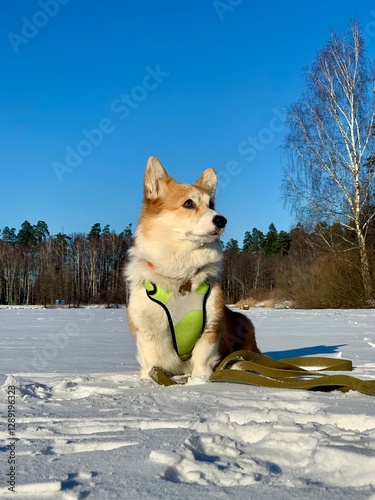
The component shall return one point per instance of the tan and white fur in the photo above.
(177, 247)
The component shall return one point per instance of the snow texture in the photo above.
(87, 427)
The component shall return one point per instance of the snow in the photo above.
(87, 427)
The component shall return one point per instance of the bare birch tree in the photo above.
(329, 139)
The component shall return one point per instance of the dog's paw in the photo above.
(145, 376)
(194, 380)
(202, 372)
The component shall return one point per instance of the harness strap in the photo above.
(292, 373)
(186, 314)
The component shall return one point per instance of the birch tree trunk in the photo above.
(329, 139)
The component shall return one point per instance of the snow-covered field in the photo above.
(86, 427)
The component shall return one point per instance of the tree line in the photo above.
(318, 267)
(311, 268)
(37, 268)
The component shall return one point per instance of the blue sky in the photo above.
(89, 90)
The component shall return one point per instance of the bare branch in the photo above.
(330, 130)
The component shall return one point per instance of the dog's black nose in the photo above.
(219, 221)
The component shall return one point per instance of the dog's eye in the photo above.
(211, 204)
(189, 204)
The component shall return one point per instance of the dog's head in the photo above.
(184, 212)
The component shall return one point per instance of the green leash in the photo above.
(292, 373)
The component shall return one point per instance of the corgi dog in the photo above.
(176, 308)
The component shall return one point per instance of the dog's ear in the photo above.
(208, 181)
(155, 180)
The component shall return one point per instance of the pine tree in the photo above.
(270, 246)
(41, 231)
(26, 235)
(9, 235)
(258, 241)
(247, 242)
(284, 242)
(95, 231)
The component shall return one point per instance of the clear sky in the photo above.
(90, 89)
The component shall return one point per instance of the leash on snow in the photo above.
(291, 373)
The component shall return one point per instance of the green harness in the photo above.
(186, 314)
